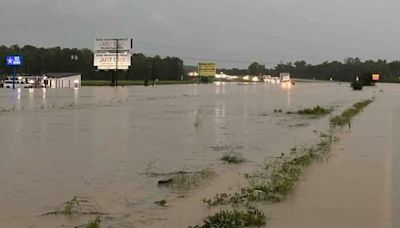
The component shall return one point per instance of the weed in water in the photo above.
(77, 206)
(70, 205)
(235, 219)
(94, 224)
(316, 111)
(184, 181)
(232, 157)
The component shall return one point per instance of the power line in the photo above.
(201, 58)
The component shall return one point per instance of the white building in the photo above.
(62, 80)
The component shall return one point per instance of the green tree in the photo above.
(256, 69)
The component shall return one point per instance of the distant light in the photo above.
(19, 78)
(76, 81)
(286, 85)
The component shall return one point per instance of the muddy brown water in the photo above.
(95, 141)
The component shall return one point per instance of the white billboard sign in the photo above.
(110, 45)
(108, 61)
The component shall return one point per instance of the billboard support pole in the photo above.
(153, 73)
(116, 65)
(14, 75)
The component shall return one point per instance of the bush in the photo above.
(358, 85)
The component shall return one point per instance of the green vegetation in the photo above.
(234, 219)
(338, 71)
(70, 205)
(357, 85)
(278, 177)
(256, 69)
(349, 113)
(94, 224)
(233, 157)
(131, 82)
(316, 111)
(56, 59)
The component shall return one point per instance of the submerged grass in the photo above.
(94, 224)
(184, 181)
(234, 219)
(77, 206)
(316, 111)
(278, 177)
(233, 157)
(348, 114)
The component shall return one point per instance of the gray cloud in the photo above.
(234, 32)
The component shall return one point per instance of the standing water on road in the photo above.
(95, 142)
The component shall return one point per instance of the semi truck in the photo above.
(284, 77)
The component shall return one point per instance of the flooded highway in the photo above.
(97, 142)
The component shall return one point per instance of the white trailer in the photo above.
(284, 77)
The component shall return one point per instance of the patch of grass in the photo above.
(234, 219)
(232, 157)
(349, 113)
(277, 110)
(316, 111)
(94, 224)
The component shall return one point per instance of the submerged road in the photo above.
(359, 185)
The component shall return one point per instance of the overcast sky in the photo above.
(229, 32)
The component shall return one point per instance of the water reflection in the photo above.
(220, 88)
(44, 95)
(76, 95)
(220, 123)
(287, 87)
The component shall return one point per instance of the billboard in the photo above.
(110, 45)
(375, 77)
(207, 69)
(108, 61)
(14, 60)
(106, 52)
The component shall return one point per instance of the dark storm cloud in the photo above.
(234, 32)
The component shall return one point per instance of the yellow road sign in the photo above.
(207, 69)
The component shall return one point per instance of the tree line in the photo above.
(57, 59)
(347, 70)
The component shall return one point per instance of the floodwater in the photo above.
(359, 184)
(97, 141)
